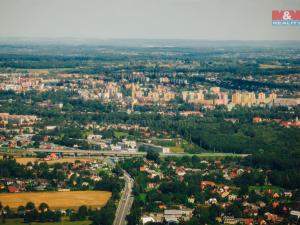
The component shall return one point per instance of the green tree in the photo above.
(152, 155)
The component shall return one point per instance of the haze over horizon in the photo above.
(144, 19)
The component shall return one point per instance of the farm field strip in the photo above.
(25, 160)
(57, 200)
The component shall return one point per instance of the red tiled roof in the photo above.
(13, 189)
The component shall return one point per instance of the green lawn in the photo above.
(176, 149)
(142, 197)
(264, 188)
(64, 222)
(175, 145)
(120, 134)
(11, 149)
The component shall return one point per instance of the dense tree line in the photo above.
(30, 213)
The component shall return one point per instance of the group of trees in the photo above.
(10, 168)
(113, 184)
(104, 216)
(152, 155)
(30, 213)
(82, 213)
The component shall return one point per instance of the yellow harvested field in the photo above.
(270, 66)
(26, 160)
(57, 200)
(62, 160)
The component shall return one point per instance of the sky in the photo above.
(146, 19)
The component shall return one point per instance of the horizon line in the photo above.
(9, 38)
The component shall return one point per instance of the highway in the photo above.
(125, 202)
(77, 152)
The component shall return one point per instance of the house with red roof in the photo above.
(13, 189)
(205, 184)
(51, 156)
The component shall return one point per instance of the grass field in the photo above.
(57, 200)
(63, 222)
(179, 147)
(120, 134)
(176, 149)
(142, 197)
(264, 188)
(175, 145)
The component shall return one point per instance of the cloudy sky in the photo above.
(162, 19)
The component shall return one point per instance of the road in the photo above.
(77, 152)
(125, 201)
